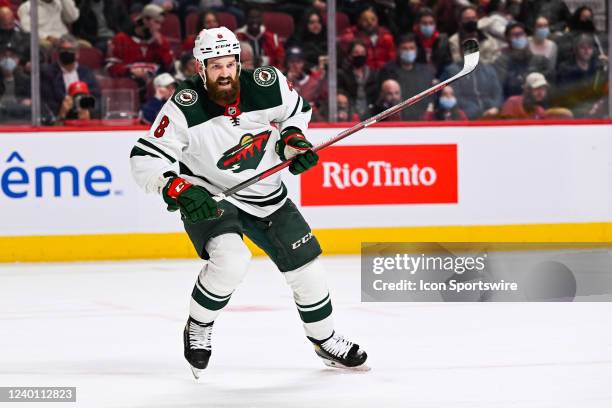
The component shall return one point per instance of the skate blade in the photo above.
(196, 372)
(335, 364)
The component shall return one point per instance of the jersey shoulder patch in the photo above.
(259, 89)
(265, 76)
(186, 97)
(191, 99)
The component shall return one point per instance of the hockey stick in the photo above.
(470, 61)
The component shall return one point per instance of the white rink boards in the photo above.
(114, 331)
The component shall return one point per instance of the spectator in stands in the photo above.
(267, 49)
(493, 19)
(555, 11)
(379, 42)
(345, 111)
(580, 23)
(206, 19)
(468, 28)
(413, 77)
(433, 45)
(167, 5)
(480, 93)
(100, 20)
(445, 107)
(15, 102)
(144, 52)
(358, 79)
(78, 104)
(512, 8)
(532, 103)
(246, 56)
(406, 14)
(445, 14)
(311, 36)
(54, 16)
(11, 33)
(390, 95)
(582, 82)
(164, 85)
(516, 61)
(539, 44)
(186, 66)
(308, 84)
(57, 77)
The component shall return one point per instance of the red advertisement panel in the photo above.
(383, 174)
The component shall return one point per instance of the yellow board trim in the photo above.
(59, 248)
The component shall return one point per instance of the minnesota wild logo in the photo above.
(264, 76)
(247, 154)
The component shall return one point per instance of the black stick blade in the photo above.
(470, 46)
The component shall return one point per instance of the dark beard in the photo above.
(223, 97)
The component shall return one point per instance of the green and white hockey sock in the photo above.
(312, 299)
(222, 273)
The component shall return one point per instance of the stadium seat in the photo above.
(92, 58)
(171, 27)
(342, 21)
(227, 19)
(279, 23)
(119, 98)
(191, 23)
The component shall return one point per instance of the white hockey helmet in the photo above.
(215, 42)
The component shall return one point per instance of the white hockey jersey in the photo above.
(217, 147)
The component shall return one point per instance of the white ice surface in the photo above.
(114, 331)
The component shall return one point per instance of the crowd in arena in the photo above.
(115, 59)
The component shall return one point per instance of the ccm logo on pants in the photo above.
(302, 240)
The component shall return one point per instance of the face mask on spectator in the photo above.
(67, 57)
(519, 43)
(359, 61)
(542, 33)
(469, 26)
(448, 102)
(408, 56)
(428, 30)
(8, 64)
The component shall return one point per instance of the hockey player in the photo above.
(220, 128)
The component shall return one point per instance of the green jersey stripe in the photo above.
(183, 169)
(254, 197)
(266, 203)
(137, 151)
(157, 149)
(296, 107)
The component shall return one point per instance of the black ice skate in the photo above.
(197, 339)
(339, 352)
